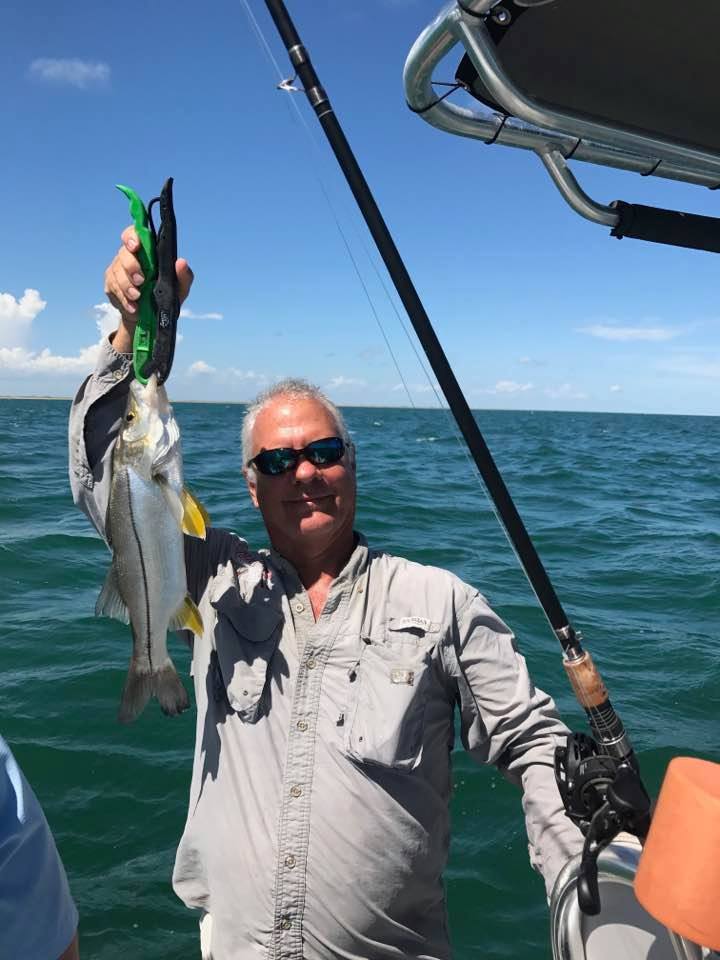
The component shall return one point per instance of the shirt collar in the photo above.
(356, 564)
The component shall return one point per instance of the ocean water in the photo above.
(624, 510)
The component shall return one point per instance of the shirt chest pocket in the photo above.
(388, 692)
(246, 637)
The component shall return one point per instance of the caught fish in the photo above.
(148, 512)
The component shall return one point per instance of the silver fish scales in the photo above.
(148, 512)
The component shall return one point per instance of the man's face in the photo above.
(308, 507)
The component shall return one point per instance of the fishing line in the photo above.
(598, 716)
(603, 718)
(421, 363)
(612, 758)
(286, 86)
(261, 38)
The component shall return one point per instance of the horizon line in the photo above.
(379, 406)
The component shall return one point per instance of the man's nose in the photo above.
(305, 470)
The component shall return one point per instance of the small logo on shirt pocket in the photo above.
(413, 625)
(402, 676)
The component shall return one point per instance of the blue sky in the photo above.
(536, 308)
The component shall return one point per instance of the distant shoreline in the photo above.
(382, 406)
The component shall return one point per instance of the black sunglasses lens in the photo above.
(274, 462)
(322, 452)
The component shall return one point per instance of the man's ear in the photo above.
(251, 482)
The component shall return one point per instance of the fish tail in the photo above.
(168, 688)
(137, 691)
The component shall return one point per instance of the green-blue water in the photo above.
(624, 510)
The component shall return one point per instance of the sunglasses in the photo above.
(320, 453)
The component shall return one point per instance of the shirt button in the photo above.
(302, 725)
(299, 607)
(285, 923)
(290, 861)
(311, 663)
(296, 791)
(118, 374)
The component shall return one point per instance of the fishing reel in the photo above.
(604, 796)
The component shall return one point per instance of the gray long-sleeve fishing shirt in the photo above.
(318, 819)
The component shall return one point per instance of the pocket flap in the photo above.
(246, 638)
(246, 635)
(255, 621)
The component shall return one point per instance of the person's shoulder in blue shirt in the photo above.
(38, 919)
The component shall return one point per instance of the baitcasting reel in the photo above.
(604, 796)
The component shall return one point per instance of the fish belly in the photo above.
(150, 563)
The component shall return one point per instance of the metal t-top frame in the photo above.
(551, 133)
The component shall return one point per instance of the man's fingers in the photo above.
(130, 239)
(126, 281)
(185, 278)
(117, 287)
(123, 279)
(131, 265)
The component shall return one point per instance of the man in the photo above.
(326, 683)
(38, 919)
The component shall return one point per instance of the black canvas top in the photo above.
(650, 65)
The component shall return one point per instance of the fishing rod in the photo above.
(598, 778)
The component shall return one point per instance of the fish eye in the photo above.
(129, 417)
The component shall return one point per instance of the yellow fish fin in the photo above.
(195, 516)
(187, 617)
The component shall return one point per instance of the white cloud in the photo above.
(615, 388)
(107, 318)
(606, 331)
(200, 367)
(565, 391)
(81, 74)
(20, 360)
(527, 361)
(191, 315)
(227, 376)
(505, 386)
(417, 387)
(16, 316)
(341, 381)
(510, 386)
(251, 375)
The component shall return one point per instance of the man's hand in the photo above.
(123, 279)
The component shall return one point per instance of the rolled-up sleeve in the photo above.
(38, 918)
(507, 721)
(95, 418)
